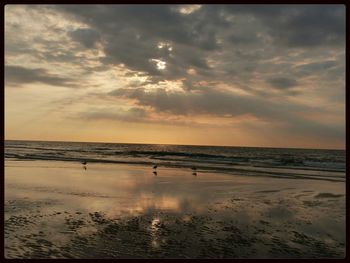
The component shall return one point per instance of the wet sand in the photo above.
(60, 210)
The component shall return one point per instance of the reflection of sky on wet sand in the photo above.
(122, 191)
(114, 190)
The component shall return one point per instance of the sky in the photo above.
(231, 75)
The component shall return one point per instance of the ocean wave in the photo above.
(336, 176)
(273, 161)
(182, 154)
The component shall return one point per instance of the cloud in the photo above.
(282, 82)
(87, 37)
(130, 41)
(131, 115)
(314, 26)
(312, 68)
(233, 43)
(273, 62)
(208, 101)
(298, 25)
(243, 39)
(280, 115)
(17, 75)
(316, 129)
(134, 115)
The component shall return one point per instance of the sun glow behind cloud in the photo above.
(160, 64)
(188, 9)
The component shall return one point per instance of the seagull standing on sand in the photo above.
(84, 164)
(194, 169)
(155, 170)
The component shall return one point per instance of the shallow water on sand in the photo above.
(59, 210)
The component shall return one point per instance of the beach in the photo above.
(57, 209)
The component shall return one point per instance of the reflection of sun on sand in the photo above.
(154, 230)
(145, 203)
(121, 211)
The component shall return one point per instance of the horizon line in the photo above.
(204, 145)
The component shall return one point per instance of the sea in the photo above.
(317, 164)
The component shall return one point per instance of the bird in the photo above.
(194, 169)
(155, 173)
(155, 167)
(84, 164)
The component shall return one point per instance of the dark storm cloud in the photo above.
(131, 34)
(298, 26)
(314, 26)
(243, 39)
(282, 82)
(148, 21)
(230, 43)
(17, 75)
(208, 101)
(87, 37)
(287, 116)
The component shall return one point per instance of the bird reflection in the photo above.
(155, 170)
(194, 171)
(84, 165)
